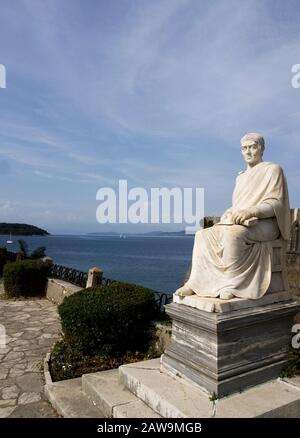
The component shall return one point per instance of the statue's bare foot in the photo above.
(226, 295)
(184, 291)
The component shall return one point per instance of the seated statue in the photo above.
(234, 257)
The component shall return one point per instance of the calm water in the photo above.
(156, 262)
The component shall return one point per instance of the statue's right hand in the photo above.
(241, 215)
(227, 217)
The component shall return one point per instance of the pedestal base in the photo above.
(228, 352)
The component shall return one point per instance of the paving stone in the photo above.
(6, 382)
(34, 365)
(30, 382)
(3, 373)
(10, 392)
(46, 336)
(6, 412)
(8, 364)
(21, 366)
(21, 348)
(20, 317)
(21, 342)
(32, 329)
(9, 402)
(14, 355)
(40, 409)
(17, 335)
(16, 373)
(50, 320)
(31, 335)
(28, 397)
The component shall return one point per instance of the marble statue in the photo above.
(233, 258)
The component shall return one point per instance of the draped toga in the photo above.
(236, 258)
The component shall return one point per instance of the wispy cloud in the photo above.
(157, 92)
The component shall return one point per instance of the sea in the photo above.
(157, 262)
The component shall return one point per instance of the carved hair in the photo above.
(257, 138)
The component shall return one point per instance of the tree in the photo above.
(23, 253)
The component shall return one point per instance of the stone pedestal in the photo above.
(227, 352)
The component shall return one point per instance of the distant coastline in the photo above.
(151, 233)
(21, 230)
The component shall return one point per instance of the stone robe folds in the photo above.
(236, 258)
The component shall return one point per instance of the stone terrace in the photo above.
(32, 327)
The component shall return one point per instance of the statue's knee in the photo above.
(235, 232)
(198, 233)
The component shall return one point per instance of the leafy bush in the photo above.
(25, 278)
(3, 259)
(38, 253)
(208, 223)
(108, 319)
(23, 248)
(293, 366)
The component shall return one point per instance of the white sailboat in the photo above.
(10, 239)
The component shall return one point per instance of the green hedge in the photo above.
(3, 259)
(108, 319)
(25, 278)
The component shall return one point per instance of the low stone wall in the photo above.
(293, 270)
(57, 290)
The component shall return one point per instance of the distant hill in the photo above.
(167, 233)
(21, 230)
(150, 233)
(104, 233)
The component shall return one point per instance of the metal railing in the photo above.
(106, 281)
(79, 278)
(162, 299)
(74, 276)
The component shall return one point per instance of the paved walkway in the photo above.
(32, 327)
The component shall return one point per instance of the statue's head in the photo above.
(252, 147)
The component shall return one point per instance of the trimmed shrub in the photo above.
(108, 319)
(3, 259)
(25, 278)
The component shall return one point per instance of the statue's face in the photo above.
(251, 152)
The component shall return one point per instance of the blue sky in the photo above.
(156, 92)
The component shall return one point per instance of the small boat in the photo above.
(10, 239)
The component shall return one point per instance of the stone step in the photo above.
(112, 398)
(172, 397)
(165, 395)
(69, 400)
